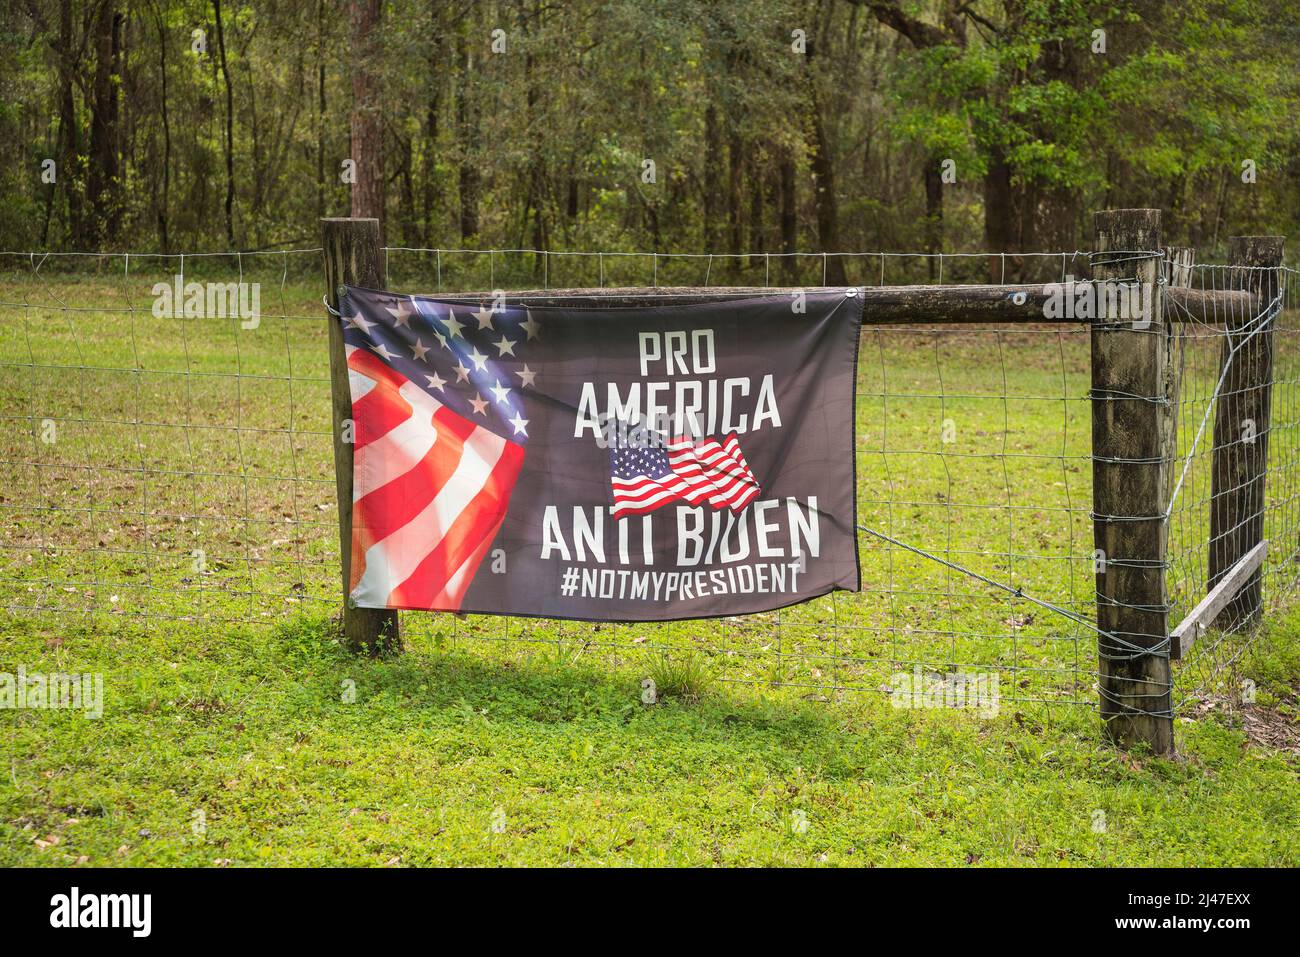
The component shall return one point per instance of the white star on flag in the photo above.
(436, 381)
(484, 317)
(526, 376)
(462, 374)
(504, 346)
(360, 322)
(479, 403)
(519, 423)
(401, 313)
(418, 350)
(384, 351)
(500, 391)
(454, 325)
(530, 325)
(479, 360)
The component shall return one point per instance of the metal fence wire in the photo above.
(165, 466)
(1212, 414)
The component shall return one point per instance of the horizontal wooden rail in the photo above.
(1189, 629)
(886, 305)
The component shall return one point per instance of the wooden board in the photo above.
(1202, 616)
(886, 305)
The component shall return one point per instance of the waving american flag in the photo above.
(440, 433)
(650, 476)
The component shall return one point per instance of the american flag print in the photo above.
(682, 469)
(500, 440)
(439, 439)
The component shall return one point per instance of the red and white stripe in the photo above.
(641, 494)
(715, 471)
(430, 490)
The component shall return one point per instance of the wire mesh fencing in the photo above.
(1217, 436)
(168, 462)
(165, 459)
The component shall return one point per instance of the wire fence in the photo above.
(166, 461)
(1212, 412)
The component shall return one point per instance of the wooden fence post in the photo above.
(353, 256)
(1241, 425)
(1132, 415)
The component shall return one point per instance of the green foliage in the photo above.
(543, 144)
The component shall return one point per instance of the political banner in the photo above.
(635, 463)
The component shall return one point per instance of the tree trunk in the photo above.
(537, 198)
(789, 214)
(409, 227)
(466, 132)
(999, 217)
(825, 201)
(366, 125)
(103, 181)
(429, 164)
(320, 116)
(163, 199)
(230, 127)
(758, 238)
(70, 167)
(933, 212)
(735, 196)
(712, 178)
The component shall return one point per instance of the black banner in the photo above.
(607, 463)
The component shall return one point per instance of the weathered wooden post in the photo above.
(1241, 424)
(353, 256)
(1132, 416)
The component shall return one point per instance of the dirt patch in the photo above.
(1274, 728)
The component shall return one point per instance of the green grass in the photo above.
(684, 675)
(224, 688)
(250, 727)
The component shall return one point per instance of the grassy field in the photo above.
(178, 536)
(250, 727)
